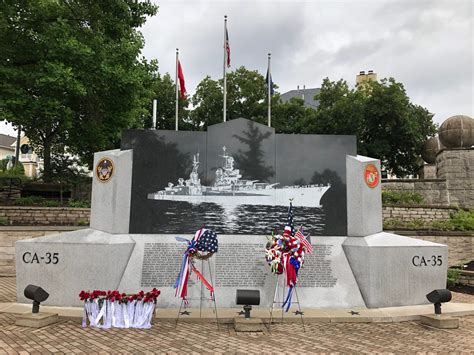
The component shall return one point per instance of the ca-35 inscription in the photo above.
(35, 258)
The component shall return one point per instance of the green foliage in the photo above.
(71, 73)
(453, 277)
(401, 198)
(246, 97)
(4, 221)
(463, 220)
(29, 201)
(387, 125)
(82, 222)
(459, 221)
(51, 203)
(79, 204)
(163, 89)
(405, 224)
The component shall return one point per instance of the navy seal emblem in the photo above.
(104, 169)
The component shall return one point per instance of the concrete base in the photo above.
(392, 270)
(89, 259)
(440, 321)
(36, 320)
(248, 325)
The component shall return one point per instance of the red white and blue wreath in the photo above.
(285, 254)
(202, 246)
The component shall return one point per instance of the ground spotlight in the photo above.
(247, 298)
(437, 297)
(37, 295)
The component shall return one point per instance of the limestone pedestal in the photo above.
(440, 321)
(36, 320)
(248, 325)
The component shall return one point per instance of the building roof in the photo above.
(309, 94)
(6, 141)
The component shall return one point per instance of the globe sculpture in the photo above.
(431, 147)
(457, 132)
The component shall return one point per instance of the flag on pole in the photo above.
(227, 47)
(182, 87)
(304, 240)
(289, 228)
(269, 81)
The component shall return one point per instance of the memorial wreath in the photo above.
(285, 254)
(202, 246)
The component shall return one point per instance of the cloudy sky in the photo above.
(426, 45)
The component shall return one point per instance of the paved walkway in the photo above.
(68, 336)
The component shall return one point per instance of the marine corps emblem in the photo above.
(371, 175)
(104, 169)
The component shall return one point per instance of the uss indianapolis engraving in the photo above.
(229, 189)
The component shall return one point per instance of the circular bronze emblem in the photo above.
(371, 175)
(104, 169)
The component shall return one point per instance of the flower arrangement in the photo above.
(203, 245)
(114, 309)
(285, 254)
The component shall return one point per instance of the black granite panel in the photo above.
(237, 178)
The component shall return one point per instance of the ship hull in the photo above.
(300, 196)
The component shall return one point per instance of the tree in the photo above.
(291, 116)
(387, 125)
(70, 72)
(65, 169)
(246, 97)
(163, 89)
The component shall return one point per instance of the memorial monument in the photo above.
(236, 179)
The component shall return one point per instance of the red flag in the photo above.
(182, 87)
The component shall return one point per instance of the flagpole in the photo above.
(269, 91)
(176, 81)
(225, 66)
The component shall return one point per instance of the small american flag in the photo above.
(289, 222)
(306, 243)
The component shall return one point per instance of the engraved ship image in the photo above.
(230, 189)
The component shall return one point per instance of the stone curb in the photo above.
(374, 315)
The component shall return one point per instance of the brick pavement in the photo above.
(69, 336)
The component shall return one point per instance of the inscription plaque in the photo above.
(240, 265)
(317, 268)
(161, 264)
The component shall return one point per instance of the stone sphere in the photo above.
(431, 147)
(457, 132)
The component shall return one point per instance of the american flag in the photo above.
(227, 47)
(306, 243)
(289, 223)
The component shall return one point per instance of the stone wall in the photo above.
(44, 216)
(434, 191)
(416, 212)
(460, 244)
(454, 183)
(457, 167)
(467, 278)
(8, 237)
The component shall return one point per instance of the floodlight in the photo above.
(37, 295)
(437, 297)
(247, 298)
